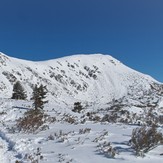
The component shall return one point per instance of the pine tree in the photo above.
(39, 95)
(77, 107)
(18, 91)
(34, 118)
(43, 92)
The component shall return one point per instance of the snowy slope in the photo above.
(109, 91)
(92, 78)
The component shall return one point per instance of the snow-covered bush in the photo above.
(93, 117)
(106, 149)
(84, 131)
(144, 139)
(68, 118)
(3, 113)
(59, 136)
(34, 157)
(112, 118)
(101, 137)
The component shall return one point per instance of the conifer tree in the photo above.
(18, 91)
(77, 107)
(39, 95)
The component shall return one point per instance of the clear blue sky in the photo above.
(129, 30)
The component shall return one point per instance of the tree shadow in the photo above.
(22, 108)
(123, 147)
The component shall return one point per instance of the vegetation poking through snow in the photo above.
(34, 157)
(106, 149)
(31, 121)
(145, 138)
(34, 119)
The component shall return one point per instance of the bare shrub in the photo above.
(143, 139)
(51, 137)
(84, 131)
(17, 161)
(31, 121)
(69, 118)
(101, 137)
(112, 118)
(3, 113)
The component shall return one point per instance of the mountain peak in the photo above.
(92, 78)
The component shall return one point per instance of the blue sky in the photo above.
(129, 30)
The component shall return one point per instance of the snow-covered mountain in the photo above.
(92, 78)
(110, 92)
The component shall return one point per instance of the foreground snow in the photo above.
(66, 143)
